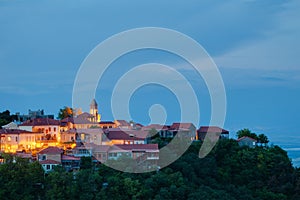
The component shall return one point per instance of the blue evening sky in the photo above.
(255, 45)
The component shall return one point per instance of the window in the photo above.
(16, 139)
(113, 154)
(82, 136)
(9, 138)
(54, 129)
(42, 157)
(47, 167)
(49, 129)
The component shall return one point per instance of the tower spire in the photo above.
(94, 110)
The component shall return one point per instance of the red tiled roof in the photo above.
(139, 125)
(65, 157)
(13, 131)
(51, 150)
(212, 129)
(68, 119)
(80, 119)
(245, 137)
(43, 162)
(123, 122)
(40, 122)
(132, 147)
(156, 127)
(96, 148)
(126, 135)
(177, 126)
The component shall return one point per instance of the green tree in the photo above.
(6, 118)
(246, 132)
(86, 163)
(20, 179)
(65, 112)
(60, 185)
(263, 139)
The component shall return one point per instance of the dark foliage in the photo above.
(6, 118)
(228, 172)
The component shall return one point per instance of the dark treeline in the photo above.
(228, 172)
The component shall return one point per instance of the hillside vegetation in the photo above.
(228, 172)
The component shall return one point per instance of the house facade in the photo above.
(119, 137)
(14, 140)
(247, 141)
(107, 124)
(50, 129)
(213, 132)
(53, 156)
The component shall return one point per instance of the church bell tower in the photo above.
(94, 111)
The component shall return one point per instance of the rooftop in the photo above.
(43, 162)
(212, 129)
(51, 150)
(178, 126)
(119, 134)
(66, 157)
(13, 131)
(246, 137)
(135, 147)
(41, 122)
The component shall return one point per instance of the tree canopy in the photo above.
(227, 172)
(6, 117)
(261, 138)
(65, 112)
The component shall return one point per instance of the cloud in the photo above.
(276, 51)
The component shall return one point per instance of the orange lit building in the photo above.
(13, 140)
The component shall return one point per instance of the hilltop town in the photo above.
(75, 157)
(64, 142)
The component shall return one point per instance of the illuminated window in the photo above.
(9, 138)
